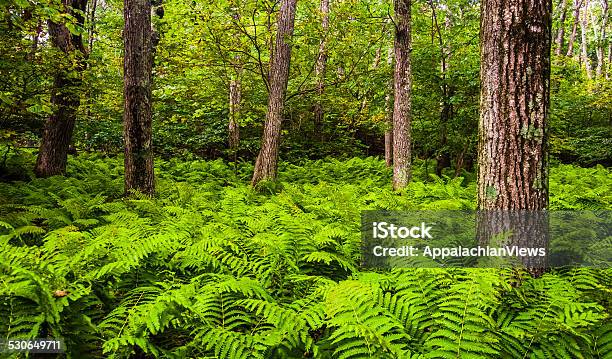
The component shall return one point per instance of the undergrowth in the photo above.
(213, 269)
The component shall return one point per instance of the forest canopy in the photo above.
(202, 47)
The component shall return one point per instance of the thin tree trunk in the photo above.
(91, 31)
(601, 39)
(514, 107)
(561, 33)
(320, 69)
(57, 133)
(443, 158)
(235, 96)
(609, 59)
(572, 39)
(92, 23)
(460, 160)
(389, 147)
(267, 160)
(389, 116)
(402, 83)
(137, 132)
(584, 26)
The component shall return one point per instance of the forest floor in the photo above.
(211, 267)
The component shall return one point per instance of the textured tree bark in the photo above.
(514, 105)
(561, 33)
(267, 160)
(402, 83)
(57, 133)
(572, 39)
(137, 65)
(320, 68)
(584, 27)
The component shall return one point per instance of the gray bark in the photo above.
(561, 33)
(584, 54)
(402, 83)
(389, 116)
(514, 105)
(572, 39)
(235, 97)
(267, 160)
(601, 39)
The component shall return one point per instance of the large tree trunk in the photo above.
(572, 39)
(320, 68)
(57, 133)
(137, 67)
(402, 83)
(514, 104)
(561, 33)
(584, 27)
(267, 160)
(514, 107)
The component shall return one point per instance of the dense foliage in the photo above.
(212, 268)
(205, 44)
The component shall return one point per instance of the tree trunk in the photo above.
(402, 83)
(561, 33)
(91, 32)
(137, 65)
(514, 104)
(92, 23)
(572, 39)
(514, 107)
(443, 159)
(266, 163)
(601, 38)
(57, 133)
(235, 96)
(320, 69)
(609, 59)
(389, 116)
(584, 26)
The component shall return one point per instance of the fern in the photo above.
(212, 268)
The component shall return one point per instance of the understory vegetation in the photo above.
(212, 268)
